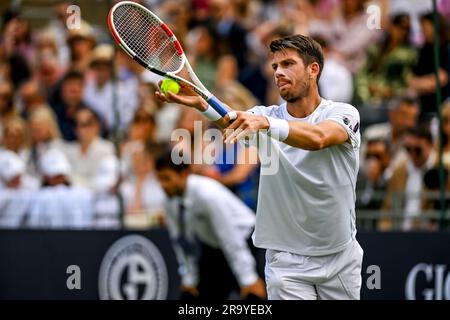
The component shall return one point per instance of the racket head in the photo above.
(145, 38)
(150, 42)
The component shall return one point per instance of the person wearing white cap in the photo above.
(104, 183)
(58, 204)
(15, 190)
(12, 172)
(106, 97)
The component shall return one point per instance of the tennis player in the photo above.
(306, 210)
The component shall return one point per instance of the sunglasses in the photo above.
(414, 150)
(84, 124)
(376, 156)
(142, 119)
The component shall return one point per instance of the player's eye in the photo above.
(274, 67)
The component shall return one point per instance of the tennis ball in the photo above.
(170, 85)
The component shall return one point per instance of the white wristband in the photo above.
(278, 128)
(211, 114)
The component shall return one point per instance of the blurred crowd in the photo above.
(80, 125)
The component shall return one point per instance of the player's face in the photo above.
(171, 182)
(292, 78)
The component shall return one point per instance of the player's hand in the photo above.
(189, 293)
(257, 289)
(186, 96)
(245, 124)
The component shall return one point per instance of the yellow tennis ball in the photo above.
(170, 85)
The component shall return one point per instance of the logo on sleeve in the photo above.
(346, 121)
(351, 123)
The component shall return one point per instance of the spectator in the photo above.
(191, 127)
(106, 200)
(405, 187)
(423, 80)
(58, 204)
(445, 110)
(44, 135)
(348, 34)
(12, 173)
(48, 73)
(31, 98)
(388, 65)
(7, 109)
(143, 196)
(204, 50)
(15, 190)
(141, 132)
(81, 42)
(18, 49)
(230, 29)
(336, 82)
(57, 26)
(115, 102)
(166, 114)
(15, 136)
(89, 149)
(374, 175)
(403, 113)
(237, 166)
(72, 87)
(229, 89)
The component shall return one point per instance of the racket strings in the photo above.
(142, 33)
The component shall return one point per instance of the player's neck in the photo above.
(303, 107)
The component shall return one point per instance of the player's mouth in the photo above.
(283, 84)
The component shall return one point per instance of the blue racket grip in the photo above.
(217, 105)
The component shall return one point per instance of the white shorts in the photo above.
(336, 276)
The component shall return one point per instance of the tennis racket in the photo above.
(150, 42)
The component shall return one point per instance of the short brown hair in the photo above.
(308, 49)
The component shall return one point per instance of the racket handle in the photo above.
(218, 106)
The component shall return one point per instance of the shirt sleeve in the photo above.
(348, 117)
(232, 242)
(259, 110)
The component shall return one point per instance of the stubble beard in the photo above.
(292, 97)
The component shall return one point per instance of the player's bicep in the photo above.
(334, 133)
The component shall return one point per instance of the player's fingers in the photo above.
(243, 135)
(177, 98)
(161, 96)
(235, 123)
(232, 134)
(231, 128)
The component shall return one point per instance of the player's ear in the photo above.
(314, 69)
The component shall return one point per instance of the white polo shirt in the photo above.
(307, 206)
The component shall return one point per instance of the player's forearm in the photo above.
(306, 136)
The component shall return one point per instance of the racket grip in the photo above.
(218, 106)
